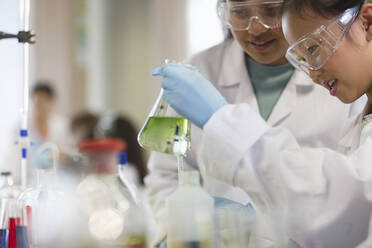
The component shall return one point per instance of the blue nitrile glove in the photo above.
(189, 93)
(163, 244)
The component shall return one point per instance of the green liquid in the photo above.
(166, 134)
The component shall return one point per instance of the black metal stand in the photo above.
(22, 36)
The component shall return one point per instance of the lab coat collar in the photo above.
(233, 72)
(233, 63)
(288, 100)
(353, 137)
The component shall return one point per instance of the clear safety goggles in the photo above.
(312, 51)
(239, 15)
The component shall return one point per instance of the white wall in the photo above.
(126, 39)
(204, 28)
(10, 71)
(52, 55)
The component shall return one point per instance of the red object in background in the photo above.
(29, 223)
(105, 144)
(12, 239)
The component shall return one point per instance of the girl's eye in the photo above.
(312, 49)
(271, 11)
(240, 13)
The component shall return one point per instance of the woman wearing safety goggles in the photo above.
(256, 25)
(315, 197)
(250, 67)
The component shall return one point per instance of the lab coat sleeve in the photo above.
(237, 145)
(226, 140)
(303, 187)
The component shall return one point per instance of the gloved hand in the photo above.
(189, 93)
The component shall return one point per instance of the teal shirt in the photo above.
(268, 83)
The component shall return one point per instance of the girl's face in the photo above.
(349, 68)
(264, 45)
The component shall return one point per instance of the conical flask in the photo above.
(166, 134)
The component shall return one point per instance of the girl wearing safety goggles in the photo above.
(335, 52)
(332, 42)
(314, 196)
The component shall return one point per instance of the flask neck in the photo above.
(9, 180)
(190, 179)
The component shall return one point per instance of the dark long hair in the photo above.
(325, 8)
(226, 31)
(123, 128)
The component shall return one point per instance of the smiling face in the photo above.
(264, 45)
(347, 74)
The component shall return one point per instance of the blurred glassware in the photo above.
(190, 214)
(40, 203)
(108, 202)
(8, 190)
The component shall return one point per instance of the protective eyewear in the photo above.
(241, 15)
(312, 51)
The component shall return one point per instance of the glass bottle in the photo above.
(9, 190)
(40, 203)
(190, 215)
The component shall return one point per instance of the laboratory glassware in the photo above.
(40, 201)
(24, 135)
(26, 37)
(234, 225)
(166, 134)
(163, 133)
(9, 190)
(135, 228)
(103, 196)
(124, 174)
(4, 232)
(190, 214)
(6, 178)
(16, 223)
(103, 177)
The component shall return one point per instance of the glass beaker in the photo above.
(39, 203)
(165, 134)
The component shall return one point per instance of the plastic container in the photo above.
(102, 155)
(190, 215)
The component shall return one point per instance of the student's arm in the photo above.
(307, 189)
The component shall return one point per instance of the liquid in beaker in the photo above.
(166, 134)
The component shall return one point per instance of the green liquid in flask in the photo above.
(166, 134)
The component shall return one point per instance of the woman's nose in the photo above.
(256, 26)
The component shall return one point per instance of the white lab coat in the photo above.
(302, 102)
(312, 197)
